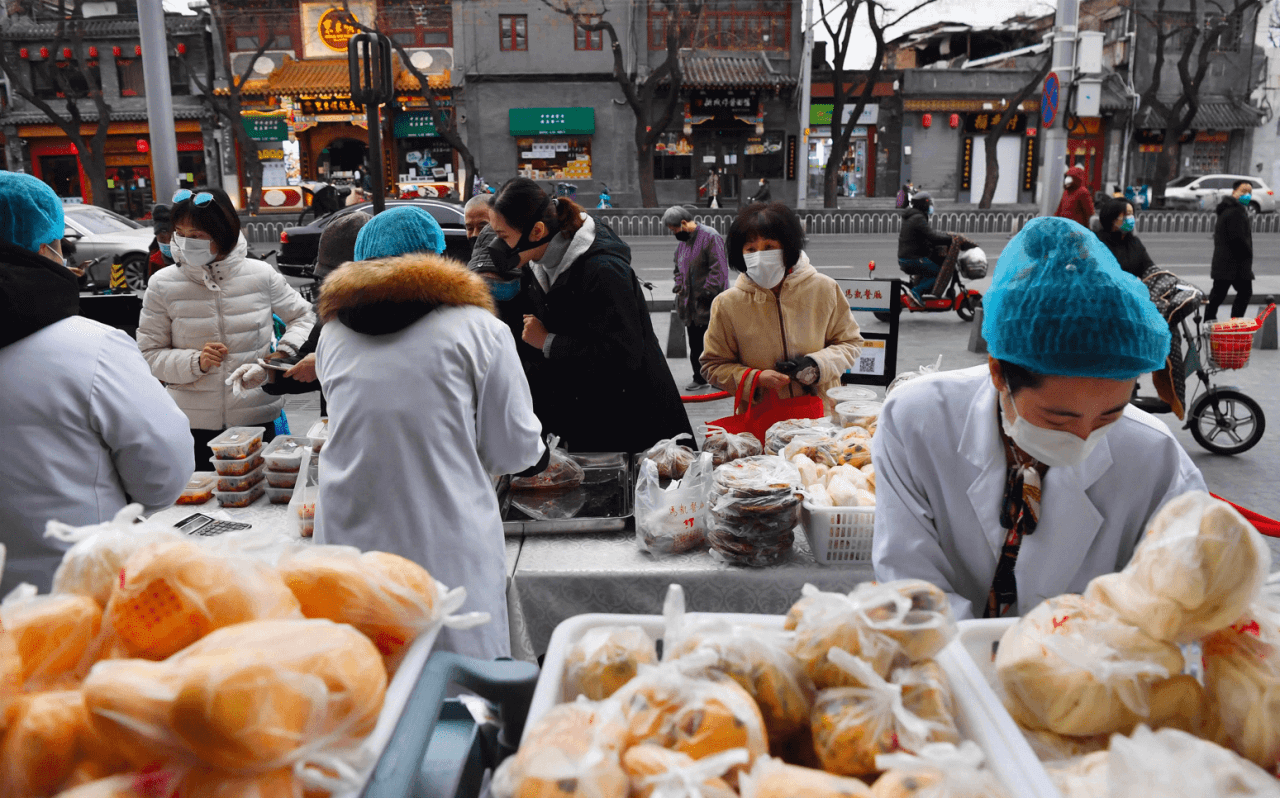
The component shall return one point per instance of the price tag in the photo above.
(871, 359)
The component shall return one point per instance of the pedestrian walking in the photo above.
(86, 428)
(1116, 222)
(1076, 203)
(701, 273)
(159, 253)
(711, 188)
(1232, 252)
(763, 194)
(904, 195)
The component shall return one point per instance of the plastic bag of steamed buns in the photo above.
(773, 778)
(1242, 679)
(55, 638)
(938, 770)
(574, 751)
(605, 659)
(656, 772)
(91, 567)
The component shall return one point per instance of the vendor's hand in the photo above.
(773, 381)
(246, 378)
(212, 355)
(535, 334)
(76, 270)
(305, 371)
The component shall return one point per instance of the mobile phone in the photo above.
(207, 526)
(279, 364)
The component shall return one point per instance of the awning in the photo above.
(552, 121)
(1210, 116)
(732, 72)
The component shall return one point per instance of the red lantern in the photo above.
(955, 120)
(75, 150)
(116, 51)
(44, 52)
(927, 120)
(93, 52)
(137, 49)
(66, 52)
(143, 146)
(24, 52)
(182, 49)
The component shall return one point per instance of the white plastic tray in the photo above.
(980, 715)
(979, 638)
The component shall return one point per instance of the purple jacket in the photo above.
(701, 272)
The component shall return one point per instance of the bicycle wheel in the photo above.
(1226, 421)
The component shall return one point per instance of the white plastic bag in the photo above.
(92, 566)
(674, 520)
(907, 376)
(1173, 764)
(948, 771)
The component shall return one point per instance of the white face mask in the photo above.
(765, 268)
(192, 251)
(1053, 447)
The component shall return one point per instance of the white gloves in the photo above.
(246, 378)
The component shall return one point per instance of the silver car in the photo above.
(1206, 191)
(101, 235)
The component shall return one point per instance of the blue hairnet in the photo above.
(30, 213)
(399, 231)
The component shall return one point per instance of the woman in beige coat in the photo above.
(781, 315)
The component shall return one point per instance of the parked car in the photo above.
(1206, 191)
(299, 245)
(101, 235)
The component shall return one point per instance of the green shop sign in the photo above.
(266, 127)
(411, 124)
(552, 121)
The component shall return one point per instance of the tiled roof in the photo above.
(26, 30)
(88, 113)
(327, 76)
(732, 72)
(405, 81)
(1210, 116)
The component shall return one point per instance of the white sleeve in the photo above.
(508, 434)
(148, 436)
(906, 543)
(293, 310)
(155, 340)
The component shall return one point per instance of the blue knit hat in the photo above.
(30, 213)
(399, 231)
(1060, 304)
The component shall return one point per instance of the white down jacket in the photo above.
(231, 302)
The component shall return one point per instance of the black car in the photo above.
(299, 245)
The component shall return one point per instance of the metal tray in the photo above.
(604, 503)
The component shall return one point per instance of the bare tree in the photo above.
(683, 18)
(1196, 38)
(998, 129)
(879, 19)
(70, 35)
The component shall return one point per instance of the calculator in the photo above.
(207, 526)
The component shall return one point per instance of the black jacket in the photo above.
(34, 293)
(606, 386)
(917, 240)
(1129, 250)
(763, 194)
(1232, 242)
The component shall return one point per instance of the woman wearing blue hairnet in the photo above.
(1012, 482)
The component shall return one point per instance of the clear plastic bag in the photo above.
(92, 566)
(1073, 667)
(1173, 764)
(306, 496)
(908, 376)
(656, 772)
(605, 659)
(673, 520)
(47, 742)
(773, 778)
(1242, 679)
(671, 458)
(1084, 776)
(779, 435)
(562, 472)
(912, 612)
(1196, 570)
(571, 752)
(550, 505)
(760, 661)
(55, 638)
(938, 770)
(726, 447)
(755, 486)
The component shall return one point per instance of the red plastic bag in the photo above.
(768, 411)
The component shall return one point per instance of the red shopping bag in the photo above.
(768, 411)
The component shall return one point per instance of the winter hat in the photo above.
(338, 242)
(1060, 304)
(30, 213)
(399, 231)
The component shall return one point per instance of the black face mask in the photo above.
(507, 258)
(683, 235)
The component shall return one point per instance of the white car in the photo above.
(1206, 191)
(100, 233)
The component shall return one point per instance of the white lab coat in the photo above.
(419, 419)
(86, 430)
(940, 477)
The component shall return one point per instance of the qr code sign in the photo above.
(866, 365)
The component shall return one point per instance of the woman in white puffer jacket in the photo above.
(210, 313)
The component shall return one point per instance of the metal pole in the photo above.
(1055, 138)
(806, 79)
(155, 72)
(375, 158)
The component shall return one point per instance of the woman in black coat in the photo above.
(1115, 220)
(602, 384)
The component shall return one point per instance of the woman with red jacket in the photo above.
(1076, 204)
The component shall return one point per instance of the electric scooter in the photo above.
(605, 200)
(964, 301)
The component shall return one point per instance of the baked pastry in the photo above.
(754, 507)
(823, 621)
(725, 447)
(938, 769)
(779, 435)
(170, 595)
(912, 612)
(749, 552)
(92, 566)
(56, 637)
(42, 744)
(1073, 667)
(128, 702)
(648, 766)
(671, 458)
(1195, 571)
(1242, 679)
(773, 778)
(571, 752)
(605, 659)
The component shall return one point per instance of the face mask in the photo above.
(192, 251)
(504, 291)
(765, 268)
(166, 250)
(1245, 199)
(1127, 225)
(1053, 447)
(507, 258)
(1067, 183)
(930, 210)
(683, 235)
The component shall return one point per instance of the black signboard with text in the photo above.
(723, 102)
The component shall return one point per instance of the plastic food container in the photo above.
(241, 483)
(319, 433)
(199, 488)
(285, 453)
(279, 495)
(235, 468)
(851, 393)
(858, 414)
(237, 443)
(281, 479)
(240, 498)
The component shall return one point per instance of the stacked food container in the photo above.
(239, 465)
(284, 457)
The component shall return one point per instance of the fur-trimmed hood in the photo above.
(378, 297)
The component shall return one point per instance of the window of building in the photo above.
(731, 25)
(764, 156)
(247, 29)
(513, 32)
(1228, 32)
(1113, 29)
(179, 80)
(46, 86)
(588, 39)
(417, 24)
(1177, 28)
(132, 82)
(673, 157)
(554, 157)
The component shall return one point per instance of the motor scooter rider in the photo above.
(918, 247)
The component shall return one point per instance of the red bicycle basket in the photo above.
(1230, 342)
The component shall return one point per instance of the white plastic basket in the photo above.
(838, 535)
(979, 714)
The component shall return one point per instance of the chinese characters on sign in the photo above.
(341, 105)
(705, 103)
(966, 168)
(852, 294)
(982, 123)
(336, 29)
